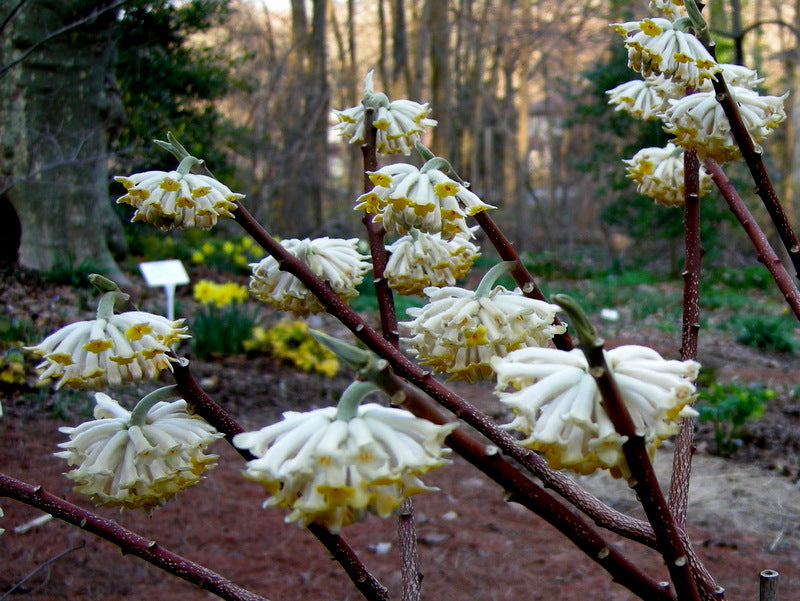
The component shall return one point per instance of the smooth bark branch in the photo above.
(129, 542)
(755, 162)
(766, 254)
(690, 327)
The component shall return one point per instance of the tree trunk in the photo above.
(55, 107)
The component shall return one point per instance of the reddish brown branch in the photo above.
(690, 327)
(755, 163)
(765, 252)
(643, 477)
(129, 542)
(377, 248)
(523, 278)
(520, 489)
(422, 379)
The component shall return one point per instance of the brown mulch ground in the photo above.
(744, 510)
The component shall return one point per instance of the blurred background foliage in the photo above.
(518, 87)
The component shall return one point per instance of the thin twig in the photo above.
(129, 542)
(690, 327)
(375, 237)
(766, 254)
(755, 163)
(41, 566)
(87, 19)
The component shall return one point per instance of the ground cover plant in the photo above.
(575, 405)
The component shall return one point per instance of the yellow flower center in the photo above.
(135, 332)
(170, 185)
(98, 346)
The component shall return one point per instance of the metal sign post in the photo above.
(169, 274)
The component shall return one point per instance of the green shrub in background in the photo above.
(225, 320)
(729, 407)
(769, 332)
(64, 271)
(291, 341)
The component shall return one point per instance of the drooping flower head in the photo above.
(559, 409)
(699, 122)
(111, 349)
(140, 458)
(399, 123)
(333, 259)
(178, 199)
(333, 467)
(659, 174)
(659, 47)
(419, 260)
(638, 97)
(406, 198)
(459, 331)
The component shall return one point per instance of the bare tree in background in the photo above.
(56, 107)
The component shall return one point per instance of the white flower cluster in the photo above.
(137, 465)
(406, 198)
(699, 122)
(109, 350)
(177, 200)
(419, 260)
(398, 123)
(674, 63)
(333, 471)
(558, 406)
(459, 332)
(334, 260)
(656, 47)
(659, 174)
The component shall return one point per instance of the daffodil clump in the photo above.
(659, 174)
(111, 349)
(559, 409)
(207, 292)
(334, 467)
(398, 123)
(178, 199)
(419, 260)
(234, 254)
(459, 331)
(138, 459)
(291, 341)
(334, 260)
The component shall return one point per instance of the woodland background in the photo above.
(517, 87)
